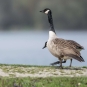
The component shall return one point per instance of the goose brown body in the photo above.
(73, 44)
(62, 49)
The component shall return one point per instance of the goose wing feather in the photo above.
(75, 44)
(66, 49)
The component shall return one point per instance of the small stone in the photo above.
(79, 84)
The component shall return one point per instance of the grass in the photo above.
(21, 65)
(59, 78)
(44, 82)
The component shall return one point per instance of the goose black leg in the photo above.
(61, 64)
(58, 62)
(70, 62)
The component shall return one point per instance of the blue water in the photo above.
(25, 47)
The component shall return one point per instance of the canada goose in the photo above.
(74, 44)
(59, 47)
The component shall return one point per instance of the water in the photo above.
(25, 47)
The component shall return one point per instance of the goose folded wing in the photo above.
(75, 44)
(72, 52)
(66, 49)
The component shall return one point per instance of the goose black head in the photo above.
(46, 11)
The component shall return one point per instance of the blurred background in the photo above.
(24, 30)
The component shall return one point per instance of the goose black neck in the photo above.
(50, 20)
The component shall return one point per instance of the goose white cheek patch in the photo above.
(46, 12)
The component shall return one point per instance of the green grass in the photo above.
(44, 82)
(21, 65)
(56, 81)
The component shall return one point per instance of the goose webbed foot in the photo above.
(58, 62)
(61, 67)
(55, 63)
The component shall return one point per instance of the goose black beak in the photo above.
(42, 11)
